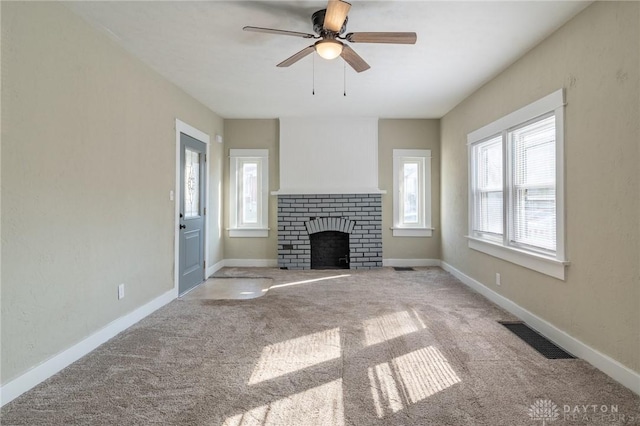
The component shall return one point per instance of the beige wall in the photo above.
(595, 58)
(253, 134)
(392, 133)
(88, 161)
(408, 134)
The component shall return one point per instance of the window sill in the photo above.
(545, 265)
(412, 232)
(248, 232)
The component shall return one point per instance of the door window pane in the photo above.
(191, 183)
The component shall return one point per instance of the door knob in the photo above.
(183, 226)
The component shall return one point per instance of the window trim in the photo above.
(423, 227)
(236, 157)
(552, 265)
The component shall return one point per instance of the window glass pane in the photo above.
(249, 193)
(534, 184)
(410, 193)
(191, 183)
(489, 192)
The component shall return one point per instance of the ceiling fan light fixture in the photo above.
(329, 49)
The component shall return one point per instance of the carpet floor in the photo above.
(331, 348)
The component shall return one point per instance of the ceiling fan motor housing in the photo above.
(318, 23)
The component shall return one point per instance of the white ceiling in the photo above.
(200, 46)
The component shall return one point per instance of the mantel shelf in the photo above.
(317, 191)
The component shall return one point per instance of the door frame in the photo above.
(182, 127)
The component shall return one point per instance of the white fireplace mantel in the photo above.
(321, 191)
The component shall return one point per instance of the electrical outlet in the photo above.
(120, 291)
(498, 279)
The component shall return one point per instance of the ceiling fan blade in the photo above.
(394, 38)
(295, 58)
(335, 15)
(279, 32)
(353, 59)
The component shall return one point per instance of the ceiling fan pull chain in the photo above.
(313, 73)
(344, 77)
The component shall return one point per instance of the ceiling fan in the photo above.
(329, 24)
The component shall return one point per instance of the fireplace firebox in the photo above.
(329, 250)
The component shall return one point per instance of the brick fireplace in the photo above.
(357, 215)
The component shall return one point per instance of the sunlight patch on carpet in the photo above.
(224, 288)
(384, 389)
(321, 405)
(386, 327)
(410, 378)
(424, 372)
(296, 354)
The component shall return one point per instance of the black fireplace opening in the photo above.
(329, 250)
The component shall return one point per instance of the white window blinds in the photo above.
(488, 189)
(533, 184)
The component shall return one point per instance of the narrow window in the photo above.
(411, 197)
(412, 193)
(249, 192)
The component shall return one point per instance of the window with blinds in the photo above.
(533, 184)
(530, 201)
(488, 193)
(516, 185)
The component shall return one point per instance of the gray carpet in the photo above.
(372, 348)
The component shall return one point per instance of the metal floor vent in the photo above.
(538, 342)
(403, 268)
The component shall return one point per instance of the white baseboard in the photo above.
(272, 263)
(215, 268)
(411, 262)
(251, 263)
(602, 362)
(48, 368)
